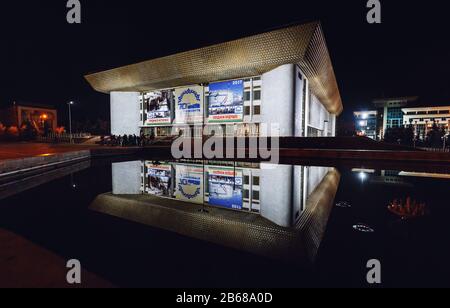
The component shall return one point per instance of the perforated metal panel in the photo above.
(251, 56)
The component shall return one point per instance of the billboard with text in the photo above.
(158, 107)
(189, 103)
(226, 101)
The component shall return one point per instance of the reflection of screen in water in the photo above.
(225, 191)
(159, 182)
(189, 183)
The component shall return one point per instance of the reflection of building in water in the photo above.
(425, 175)
(126, 179)
(276, 211)
(241, 186)
(158, 179)
(383, 177)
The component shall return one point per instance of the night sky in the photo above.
(44, 59)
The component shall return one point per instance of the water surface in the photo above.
(235, 224)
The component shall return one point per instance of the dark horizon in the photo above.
(46, 58)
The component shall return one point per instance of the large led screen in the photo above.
(226, 101)
(159, 104)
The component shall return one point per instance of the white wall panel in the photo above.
(278, 97)
(125, 113)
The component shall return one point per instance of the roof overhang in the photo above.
(303, 45)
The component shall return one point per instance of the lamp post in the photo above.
(445, 141)
(70, 121)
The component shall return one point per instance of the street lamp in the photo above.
(70, 121)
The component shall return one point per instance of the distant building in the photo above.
(423, 118)
(390, 114)
(41, 117)
(366, 123)
(394, 112)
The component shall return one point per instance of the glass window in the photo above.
(247, 110)
(246, 194)
(257, 110)
(255, 130)
(247, 96)
(255, 195)
(246, 180)
(257, 95)
(256, 180)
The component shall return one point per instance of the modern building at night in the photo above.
(424, 118)
(41, 117)
(390, 114)
(282, 78)
(366, 123)
(395, 113)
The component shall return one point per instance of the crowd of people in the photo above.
(128, 140)
(137, 141)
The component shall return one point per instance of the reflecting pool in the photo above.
(277, 211)
(159, 223)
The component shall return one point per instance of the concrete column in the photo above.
(385, 110)
(125, 113)
(278, 99)
(300, 103)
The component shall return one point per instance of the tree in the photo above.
(28, 131)
(434, 137)
(408, 136)
(400, 135)
(2, 129)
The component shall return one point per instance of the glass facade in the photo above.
(394, 117)
(366, 124)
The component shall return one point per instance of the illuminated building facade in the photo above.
(366, 123)
(390, 114)
(41, 117)
(282, 79)
(423, 119)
